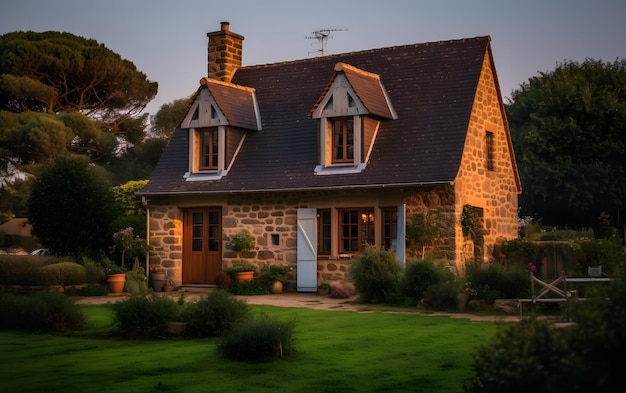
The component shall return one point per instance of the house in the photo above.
(320, 156)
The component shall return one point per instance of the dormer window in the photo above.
(349, 123)
(218, 121)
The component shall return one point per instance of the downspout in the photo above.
(144, 202)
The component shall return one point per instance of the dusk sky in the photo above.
(167, 39)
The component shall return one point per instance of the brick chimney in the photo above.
(225, 50)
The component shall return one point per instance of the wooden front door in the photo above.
(202, 245)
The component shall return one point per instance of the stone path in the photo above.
(307, 300)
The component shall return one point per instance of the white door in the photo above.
(401, 235)
(307, 250)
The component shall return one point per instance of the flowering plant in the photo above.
(130, 245)
(468, 289)
(531, 267)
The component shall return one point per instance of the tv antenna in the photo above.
(322, 37)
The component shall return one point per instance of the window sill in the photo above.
(339, 169)
(205, 176)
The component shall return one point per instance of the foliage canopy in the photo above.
(62, 92)
(569, 131)
(72, 208)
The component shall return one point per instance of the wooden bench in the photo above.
(552, 288)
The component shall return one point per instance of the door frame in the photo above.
(200, 267)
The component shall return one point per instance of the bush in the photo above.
(524, 357)
(215, 314)
(23, 269)
(249, 288)
(64, 273)
(94, 272)
(419, 276)
(441, 296)
(145, 315)
(45, 311)
(260, 340)
(136, 283)
(223, 280)
(494, 281)
(375, 273)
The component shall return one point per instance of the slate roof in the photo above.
(431, 87)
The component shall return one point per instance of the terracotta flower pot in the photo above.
(116, 282)
(244, 276)
(276, 287)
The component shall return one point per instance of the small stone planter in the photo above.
(158, 281)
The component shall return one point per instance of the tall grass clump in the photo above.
(375, 274)
(214, 315)
(41, 312)
(258, 340)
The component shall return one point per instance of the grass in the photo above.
(336, 351)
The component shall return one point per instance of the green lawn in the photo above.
(337, 351)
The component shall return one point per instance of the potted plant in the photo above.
(242, 241)
(116, 277)
(323, 288)
(243, 270)
(276, 276)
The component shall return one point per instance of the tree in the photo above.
(168, 117)
(66, 92)
(569, 133)
(71, 208)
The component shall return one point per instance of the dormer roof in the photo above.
(366, 85)
(237, 105)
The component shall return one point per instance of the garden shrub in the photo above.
(145, 315)
(23, 269)
(419, 276)
(441, 296)
(495, 281)
(215, 314)
(64, 273)
(223, 280)
(375, 273)
(43, 311)
(136, 283)
(248, 288)
(522, 357)
(258, 340)
(94, 272)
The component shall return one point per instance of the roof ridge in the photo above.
(371, 50)
(205, 81)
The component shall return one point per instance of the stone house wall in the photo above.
(272, 221)
(495, 192)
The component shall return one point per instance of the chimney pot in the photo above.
(224, 26)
